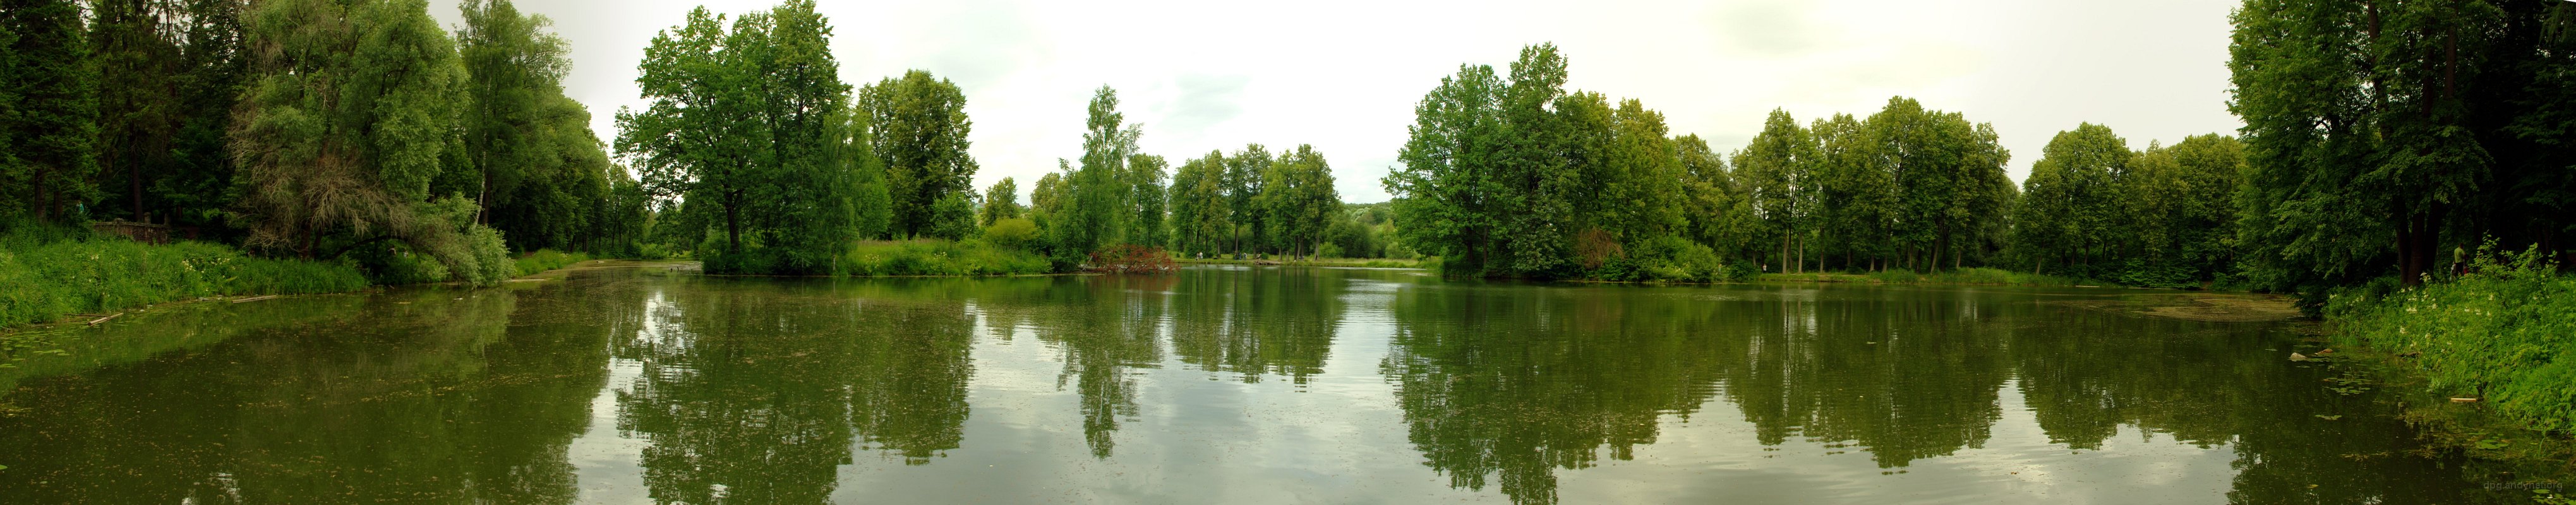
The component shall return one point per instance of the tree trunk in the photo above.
(2406, 273)
(134, 183)
(733, 228)
(44, 196)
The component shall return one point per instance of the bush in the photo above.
(938, 257)
(546, 259)
(397, 263)
(2506, 333)
(1742, 271)
(1013, 233)
(1896, 277)
(1662, 259)
(46, 275)
(1132, 259)
(656, 251)
(952, 217)
(485, 260)
(1976, 275)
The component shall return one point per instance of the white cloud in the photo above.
(1344, 74)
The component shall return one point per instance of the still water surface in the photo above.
(1215, 385)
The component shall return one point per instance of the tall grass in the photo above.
(2506, 333)
(939, 257)
(547, 259)
(47, 275)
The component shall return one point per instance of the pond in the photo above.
(1212, 385)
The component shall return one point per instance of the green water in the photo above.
(1215, 385)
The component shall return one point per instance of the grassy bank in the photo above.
(1961, 277)
(546, 259)
(1318, 262)
(939, 257)
(2506, 335)
(44, 278)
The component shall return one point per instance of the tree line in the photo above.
(1511, 175)
(2389, 139)
(2388, 152)
(762, 161)
(320, 129)
(2383, 139)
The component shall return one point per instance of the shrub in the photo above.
(1742, 271)
(397, 263)
(938, 257)
(1594, 248)
(546, 259)
(1662, 259)
(952, 217)
(1013, 233)
(1976, 275)
(485, 260)
(1132, 259)
(2506, 332)
(655, 251)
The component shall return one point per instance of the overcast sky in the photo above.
(1344, 75)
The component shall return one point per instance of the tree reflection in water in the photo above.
(753, 391)
(417, 396)
(749, 390)
(1497, 383)
(1258, 322)
(1507, 384)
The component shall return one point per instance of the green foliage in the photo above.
(1244, 172)
(1478, 186)
(1350, 237)
(918, 125)
(1775, 173)
(2182, 205)
(350, 114)
(953, 218)
(1001, 202)
(194, 188)
(1101, 192)
(1015, 233)
(1202, 220)
(753, 128)
(1517, 177)
(45, 276)
(2071, 208)
(491, 262)
(2379, 135)
(2502, 332)
(1906, 187)
(545, 259)
(1664, 259)
(138, 113)
(1146, 210)
(940, 257)
(1298, 201)
(869, 197)
(49, 125)
(529, 157)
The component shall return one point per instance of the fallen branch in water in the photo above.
(254, 299)
(94, 322)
